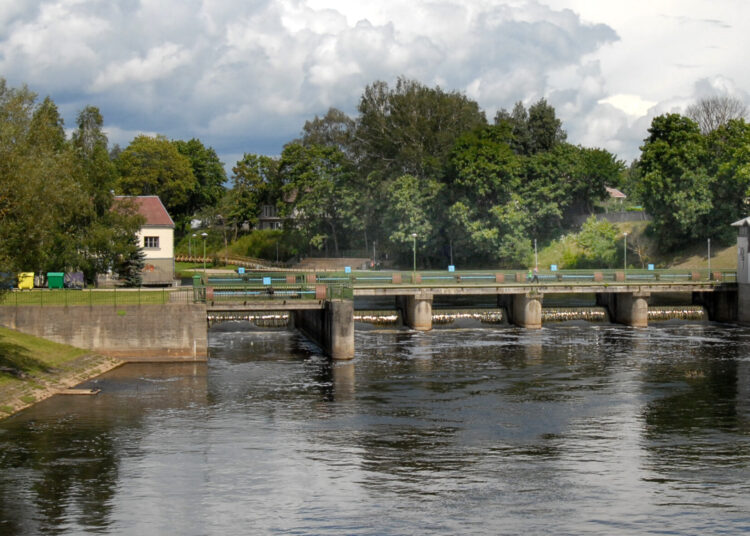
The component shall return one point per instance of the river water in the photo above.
(573, 429)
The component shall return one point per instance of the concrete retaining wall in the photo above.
(130, 331)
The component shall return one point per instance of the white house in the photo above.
(156, 237)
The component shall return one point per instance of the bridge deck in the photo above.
(266, 305)
(541, 288)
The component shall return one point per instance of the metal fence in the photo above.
(96, 297)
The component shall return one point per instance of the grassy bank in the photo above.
(32, 369)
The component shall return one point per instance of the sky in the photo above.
(243, 76)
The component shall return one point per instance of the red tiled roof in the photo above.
(150, 207)
(614, 192)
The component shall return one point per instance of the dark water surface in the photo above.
(592, 429)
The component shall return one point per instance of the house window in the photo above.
(150, 241)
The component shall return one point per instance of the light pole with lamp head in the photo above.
(204, 235)
(414, 250)
(190, 245)
(625, 252)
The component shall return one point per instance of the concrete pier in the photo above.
(628, 308)
(416, 311)
(722, 306)
(524, 310)
(331, 327)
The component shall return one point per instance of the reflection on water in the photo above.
(570, 429)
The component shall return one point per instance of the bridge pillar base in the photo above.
(720, 306)
(630, 309)
(524, 310)
(332, 327)
(416, 311)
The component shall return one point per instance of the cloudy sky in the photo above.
(244, 75)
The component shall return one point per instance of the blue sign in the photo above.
(348, 269)
(451, 268)
(553, 268)
(650, 266)
(240, 270)
(266, 280)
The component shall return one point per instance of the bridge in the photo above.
(322, 304)
(173, 323)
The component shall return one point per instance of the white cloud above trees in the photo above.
(245, 75)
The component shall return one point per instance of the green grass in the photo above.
(23, 356)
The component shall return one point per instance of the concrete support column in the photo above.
(626, 308)
(417, 311)
(524, 310)
(332, 328)
(743, 302)
(340, 332)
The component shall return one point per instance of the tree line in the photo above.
(415, 164)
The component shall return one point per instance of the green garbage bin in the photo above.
(55, 280)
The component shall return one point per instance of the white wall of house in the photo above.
(165, 238)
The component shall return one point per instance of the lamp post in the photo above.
(190, 245)
(414, 250)
(625, 252)
(204, 235)
(709, 259)
(536, 257)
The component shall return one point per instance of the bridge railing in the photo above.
(467, 277)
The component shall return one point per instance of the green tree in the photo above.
(255, 181)
(154, 166)
(674, 184)
(104, 234)
(131, 262)
(535, 130)
(35, 164)
(320, 187)
(598, 243)
(208, 172)
(411, 129)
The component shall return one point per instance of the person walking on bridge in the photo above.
(535, 279)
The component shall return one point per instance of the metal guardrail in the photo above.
(96, 297)
(370, 278)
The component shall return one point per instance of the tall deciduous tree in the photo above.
(208, 172)
(154, 166)
(675, 185)
(319, 187)
(411, 129)
(713, 112)
(255, 181)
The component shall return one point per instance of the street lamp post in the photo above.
(709, 259)
(414, 250)
(190, 245)
(625, 252)
(204, 235)
(536, 256)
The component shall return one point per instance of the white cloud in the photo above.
(159, 62)
(245, 75)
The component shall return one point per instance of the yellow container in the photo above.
(26, 280)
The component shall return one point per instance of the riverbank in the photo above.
(32, 369)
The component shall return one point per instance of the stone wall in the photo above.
(129, 331)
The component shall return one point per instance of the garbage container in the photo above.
(55, 280)
(26, 280)
(197, 281)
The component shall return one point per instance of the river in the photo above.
(573, 429)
